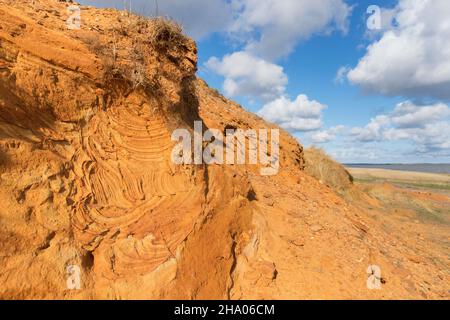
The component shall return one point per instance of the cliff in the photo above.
(87, 178)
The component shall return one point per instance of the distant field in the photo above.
(418, 167)
(420, 180)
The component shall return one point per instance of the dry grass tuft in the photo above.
(165, 32)
(94, 44)
(133, 41)
(325, 169)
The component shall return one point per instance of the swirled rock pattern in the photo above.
(134, 201)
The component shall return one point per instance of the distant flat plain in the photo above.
(409, 179)
(415, 167)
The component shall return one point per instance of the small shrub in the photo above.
(94, 44)
(164, 32)
(134, 40)
(322, 167)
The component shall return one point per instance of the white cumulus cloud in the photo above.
(272, 28)
(298, 115)
(373, 131)
(412, 57)
(427, 127)
(328, 135)
(408, 115)
(268, 30)
(249, 76)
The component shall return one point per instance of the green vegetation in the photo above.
(406, 184)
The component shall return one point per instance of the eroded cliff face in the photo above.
(87, 171)
(87, 180)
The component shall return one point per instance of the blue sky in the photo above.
(281, 60)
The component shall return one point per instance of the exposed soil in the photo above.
(86, 179)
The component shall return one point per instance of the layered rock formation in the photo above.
(87, 180)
